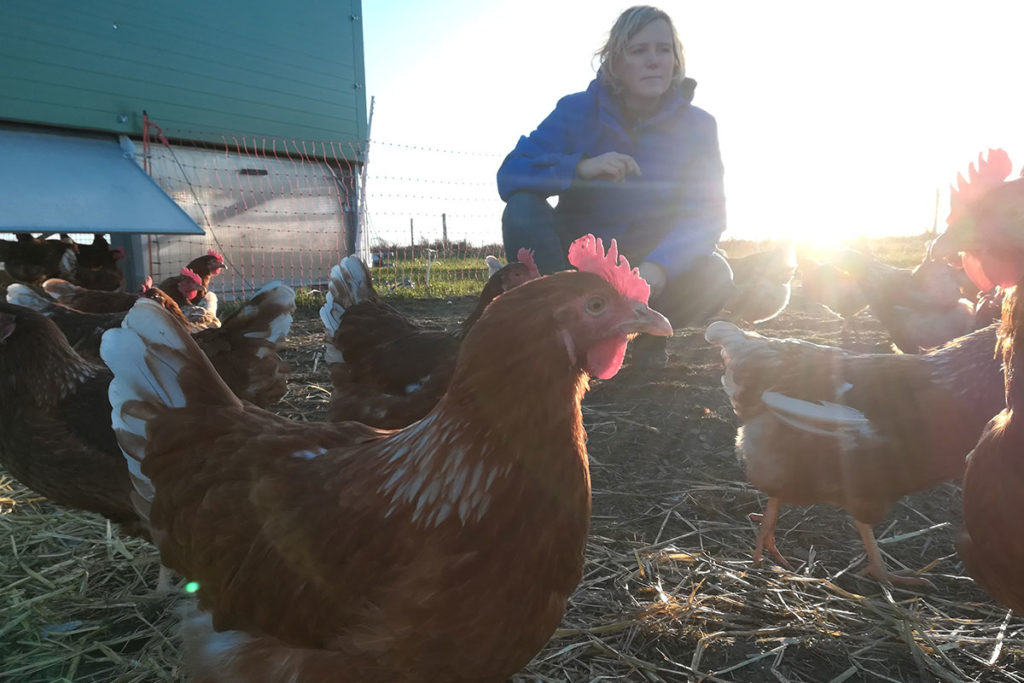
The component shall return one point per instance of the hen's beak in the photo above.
(646, 320)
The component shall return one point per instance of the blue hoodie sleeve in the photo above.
(543, 162)
(701, 217)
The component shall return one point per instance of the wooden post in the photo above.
(412, 235)
(444, 229)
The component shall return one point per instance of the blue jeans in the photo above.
(690, 299)
(529, 221)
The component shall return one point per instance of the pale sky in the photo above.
(835, 119)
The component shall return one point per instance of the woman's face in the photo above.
(646, 66)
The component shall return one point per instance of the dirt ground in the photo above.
(669, 591)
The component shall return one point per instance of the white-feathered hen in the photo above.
(857, 431)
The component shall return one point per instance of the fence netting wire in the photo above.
(289, 210)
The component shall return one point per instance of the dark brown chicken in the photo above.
(32, 259)
(207, 266)
(98, 265)
(388, 371)
(55, 434)
(83, 330)
(185, 288)
(91, 300)
(243, 349)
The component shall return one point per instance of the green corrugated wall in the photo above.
(202, 69)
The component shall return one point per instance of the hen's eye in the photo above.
(595, 305)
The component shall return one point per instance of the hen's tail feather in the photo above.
(350, 283)
(209, 301)
(268, 313)
(58, 288)
(721, 333)
(730, 338)
(493, 265)
(23, 295)
(156, 365)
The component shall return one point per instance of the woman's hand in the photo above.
(608, 166)
(655, 276)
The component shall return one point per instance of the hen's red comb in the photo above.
(587, 254)
(525, 256)
(980, 179)
(215, 255)
(118, 253)
(189, 273)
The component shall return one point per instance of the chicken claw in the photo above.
(876, 565)
(766, 533)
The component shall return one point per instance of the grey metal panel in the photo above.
(201, 70)
(51, 182)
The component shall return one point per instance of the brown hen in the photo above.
(857, 431)
(442, 553)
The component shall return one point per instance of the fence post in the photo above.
(444, 229)
(412, 235)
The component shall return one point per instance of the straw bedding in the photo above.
(669, 592)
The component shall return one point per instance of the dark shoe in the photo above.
(649, 352)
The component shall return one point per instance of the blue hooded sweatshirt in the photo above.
(672, 214)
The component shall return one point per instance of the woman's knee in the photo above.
(529, 221)
(698, 294)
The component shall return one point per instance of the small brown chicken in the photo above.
(920, 308)
(835, 289)
(857, 431)
(762, 284)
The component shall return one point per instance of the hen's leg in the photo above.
(876, 566)
(766, 533)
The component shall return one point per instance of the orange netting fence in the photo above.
(289, 210)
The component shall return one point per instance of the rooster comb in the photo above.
(525, 256)
(148, 284)
(215, 254)
(587, 254)
(191, 274)
(981, 177)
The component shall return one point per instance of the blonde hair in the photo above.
(629, 23)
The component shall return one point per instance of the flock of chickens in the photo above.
(346, 550)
